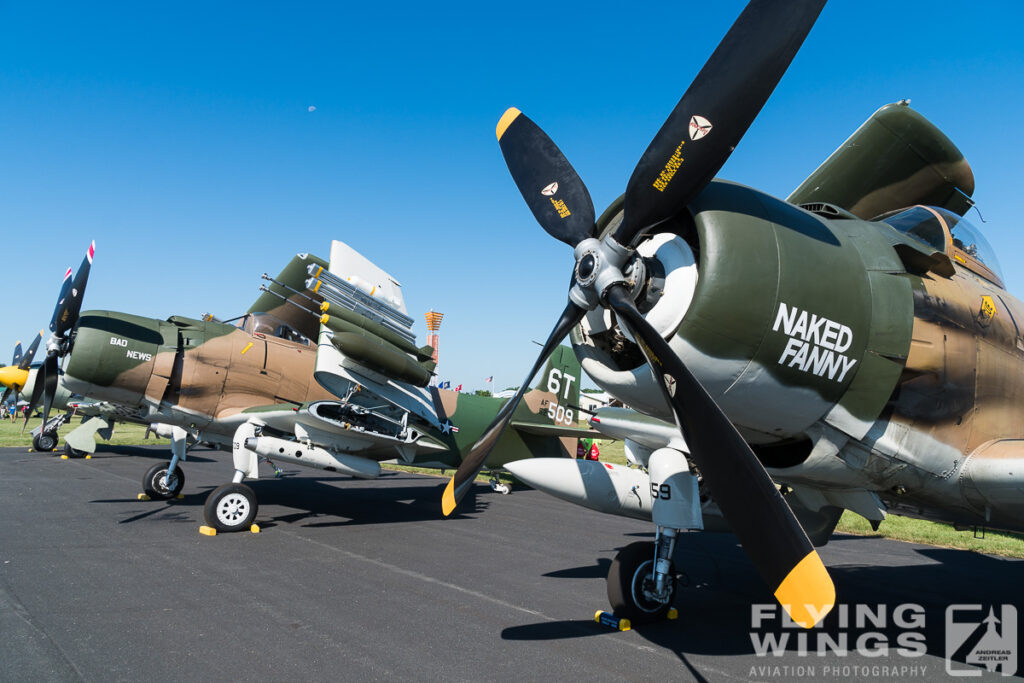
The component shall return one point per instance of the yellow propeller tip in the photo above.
(807, 593)
(448, 498)
(506, 120)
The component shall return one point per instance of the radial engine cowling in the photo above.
(122, 358)
(784, 316)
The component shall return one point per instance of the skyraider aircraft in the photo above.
(15, 376)
(260, 387)
(855, 339)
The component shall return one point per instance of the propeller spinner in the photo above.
(15, 376)
(692, 145)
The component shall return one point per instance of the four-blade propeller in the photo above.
(692, 145)
(62, 326)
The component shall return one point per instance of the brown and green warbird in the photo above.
(632, 306)
(850, 347)
(321, 372)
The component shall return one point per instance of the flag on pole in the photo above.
(458, 388)
(489, 379)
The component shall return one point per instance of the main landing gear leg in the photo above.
(232, 507)
(163, 482)
(496, 485)
(642, 580)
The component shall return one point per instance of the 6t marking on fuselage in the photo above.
(134, 355)
(556, 380)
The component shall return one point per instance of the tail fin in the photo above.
(562, 377)
(560, 384)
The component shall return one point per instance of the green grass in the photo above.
(935, 533)
(895, 528)
(124, 434)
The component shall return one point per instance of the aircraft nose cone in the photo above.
(13, 377)
(586, 267)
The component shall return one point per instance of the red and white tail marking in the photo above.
(92, 250)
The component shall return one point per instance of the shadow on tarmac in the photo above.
(324, 502)
(105, 451)
(716, 609)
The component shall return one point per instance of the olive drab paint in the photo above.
(816, 344)
(888, 368)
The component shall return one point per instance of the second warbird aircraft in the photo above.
(854, 343)
(259, 386)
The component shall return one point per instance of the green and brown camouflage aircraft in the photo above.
(850, 347)
(255, 385)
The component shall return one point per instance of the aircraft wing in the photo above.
(317, 423)
(556, 430)
(816, 509)
(288, 291)
(366, 339)
(649, 432)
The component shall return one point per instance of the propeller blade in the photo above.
(37, 392)
(58, 310)
(17, 354)
(50, 384)
(7, 393)
(477, 456)
(550, 185)
(715, 112)
(746, 495)
(26, 360)
(71, 302)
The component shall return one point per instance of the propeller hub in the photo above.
(586, 268)
(55, 345)
(598, 266)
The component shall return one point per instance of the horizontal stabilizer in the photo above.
(555, 430)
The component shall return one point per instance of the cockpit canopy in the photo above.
(269, 326)
(953, 235)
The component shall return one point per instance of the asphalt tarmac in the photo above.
(364, 580)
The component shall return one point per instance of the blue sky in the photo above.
(178, 137)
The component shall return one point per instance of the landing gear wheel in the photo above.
(44, 442)
(230, 507)
(503, 489)
(73, 452)
(153, 483)
(631, 571)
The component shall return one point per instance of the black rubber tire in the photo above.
(45, 442)
(231, 507)
(152, 482)
(625, 577)
(73, 452)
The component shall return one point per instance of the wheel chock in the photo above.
(88, 457)
(611, 621)
(181, 496)
(142, 496)
(207, 531)
(64, 457)
(673, 613)
(255, 529)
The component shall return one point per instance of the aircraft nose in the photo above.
(13, 377)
